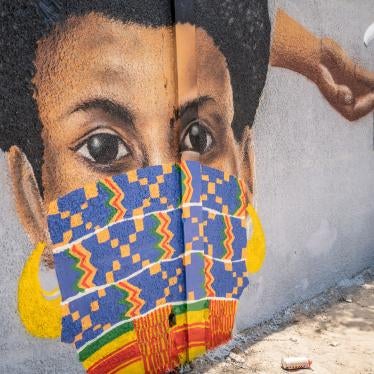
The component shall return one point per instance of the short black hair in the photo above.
(240, 29)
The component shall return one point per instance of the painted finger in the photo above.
(327, 85)
(364, 76)
(364, 105)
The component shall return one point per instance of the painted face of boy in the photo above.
(110, 100)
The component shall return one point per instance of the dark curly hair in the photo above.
(240, 29)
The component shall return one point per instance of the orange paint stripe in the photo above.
(167, 235)
(118, 368)
(243, 199)
(189, 336)
(89, 271)
(208, 277)
(188, 193)
(229, 239)
(127, 355)
(134, 293)
(116, 200)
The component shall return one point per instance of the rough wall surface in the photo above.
(314, 175)
(21, 352)
(313, 188)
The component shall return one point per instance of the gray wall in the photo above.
(314, 173)
(314, 194)
(19, 351)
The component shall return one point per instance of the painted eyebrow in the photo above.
(193, 104)
(110, 107)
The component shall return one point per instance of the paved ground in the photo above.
(335, 330)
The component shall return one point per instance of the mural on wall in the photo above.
(151, 265)
(103, 101)
(345, 84)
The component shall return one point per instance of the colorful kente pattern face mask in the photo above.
(150, 265)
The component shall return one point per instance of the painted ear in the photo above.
(247, 166)
(29, 204)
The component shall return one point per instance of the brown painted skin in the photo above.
(143, 88)
(346, 86)
(92, 64)
(134, 66)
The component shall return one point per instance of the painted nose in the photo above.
(190, 156)
(157, 157)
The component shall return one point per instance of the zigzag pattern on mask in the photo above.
(134, 250)
(152, 189)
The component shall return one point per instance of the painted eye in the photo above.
(103, 148)
(196, 138)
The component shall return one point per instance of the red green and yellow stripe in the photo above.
(149, 345)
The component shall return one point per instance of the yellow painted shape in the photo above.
(139, 224)
(76, 220)
(91, 191)
(50, 293)
(192, 316)
(256, 246)
(104, 351)
(135, 368)
(195, 352)
(182, 356)
(53, 207)
(40, 317)
(154, 190)
(132, 176)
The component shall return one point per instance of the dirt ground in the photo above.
(335, 330)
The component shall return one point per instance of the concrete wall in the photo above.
(314, 174)
(21, 352)
(313, 191)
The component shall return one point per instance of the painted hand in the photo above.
(347, 86)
